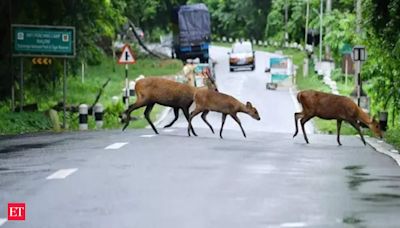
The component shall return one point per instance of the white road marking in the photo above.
(260, 169)
(62, 173)
(147, 136)
(293, 224)
(163, 115)
(2, 221)
(294, 99)
(115, 146)
(168, 130)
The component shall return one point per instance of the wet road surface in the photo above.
(138, 179)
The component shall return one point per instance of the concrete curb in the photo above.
(384, 148)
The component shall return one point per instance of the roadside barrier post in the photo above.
(98, 115)
(383, 116)
(83, 117)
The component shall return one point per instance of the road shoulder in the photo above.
(384, 148)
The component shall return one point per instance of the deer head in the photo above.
(375, 128)
(252, 111)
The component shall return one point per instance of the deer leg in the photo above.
(297, 116)
(339, 125)
(302, 122)
(126, 115)
(147, 116)
(140, 102)
(357, 127)
(203, 116)
(222, 125)
(189, 118)
(234, 116)
(176, 113)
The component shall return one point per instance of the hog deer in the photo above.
(329, 107)
(151, 91)
(210, 100)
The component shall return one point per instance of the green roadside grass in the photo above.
(79, 92)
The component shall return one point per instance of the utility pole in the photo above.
(357, 78)
(320, 29)
(328, 29)
(359, 17)
(307, 16)
(286, 21)
(305, 66)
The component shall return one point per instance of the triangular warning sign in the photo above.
(126, 56)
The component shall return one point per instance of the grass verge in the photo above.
(84, 91)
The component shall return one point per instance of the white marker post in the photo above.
(126, 58)
(126, 87)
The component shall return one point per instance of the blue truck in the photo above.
(191, 28)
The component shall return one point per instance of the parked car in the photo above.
(242, 56)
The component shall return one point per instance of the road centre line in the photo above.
(293, 224)
(2, 221)
(115, 146)
(61, 174)
(168, 130)
(147, 136)
(294, 99)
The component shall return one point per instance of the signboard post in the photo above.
(126, 58)
(359, 55)
(43, 41)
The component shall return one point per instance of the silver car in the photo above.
(242, 56)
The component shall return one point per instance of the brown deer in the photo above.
(210, 100)
(332, 107)
(151, 91)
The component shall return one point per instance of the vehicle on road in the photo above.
(242, 56)
(191, 29)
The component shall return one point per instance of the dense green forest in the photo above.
(98, 22)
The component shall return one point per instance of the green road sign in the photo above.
(51, 41)
(346, 49)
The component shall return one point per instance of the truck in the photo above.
(191, 29)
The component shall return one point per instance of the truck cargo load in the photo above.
(192, 32)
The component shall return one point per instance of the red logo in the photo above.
(16, 211)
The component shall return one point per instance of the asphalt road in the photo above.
(138, 179)
(276, 107)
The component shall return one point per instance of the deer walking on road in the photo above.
(329, 107)
(209, 100)
(151, 91)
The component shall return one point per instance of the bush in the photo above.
(18, 123)
(392, 136)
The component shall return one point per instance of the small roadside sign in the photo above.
(126, 56)
(40, 61)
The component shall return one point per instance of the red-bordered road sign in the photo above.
(126, 56)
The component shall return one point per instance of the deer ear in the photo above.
(248, 104)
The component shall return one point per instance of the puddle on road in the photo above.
(354, 167)
(352, 220)
(358, 177)
(381, 197)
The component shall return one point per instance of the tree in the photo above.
(382, 38)
(94, 20)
